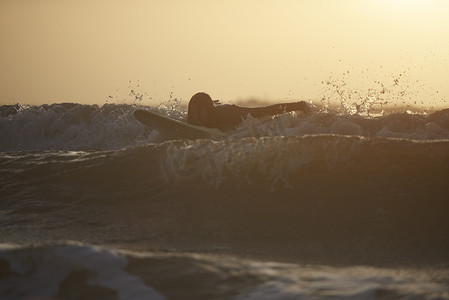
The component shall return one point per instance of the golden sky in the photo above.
(84, 51)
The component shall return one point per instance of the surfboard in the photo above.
(171, 129)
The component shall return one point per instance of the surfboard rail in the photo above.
(173, 129)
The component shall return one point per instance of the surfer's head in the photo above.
(200, 110)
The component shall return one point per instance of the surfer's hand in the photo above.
(305, 107)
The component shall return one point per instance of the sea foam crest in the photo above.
(70, 126)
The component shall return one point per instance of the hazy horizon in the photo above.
(98, 51)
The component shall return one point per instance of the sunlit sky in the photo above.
(99, 50)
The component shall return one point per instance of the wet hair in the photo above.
(200, 101)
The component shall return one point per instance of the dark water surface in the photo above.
(330, 206)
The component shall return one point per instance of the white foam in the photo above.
(77, 127)
(320, 282)
(42, 272)
(111, 127)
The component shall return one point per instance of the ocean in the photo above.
(338, 205)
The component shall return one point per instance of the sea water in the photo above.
(336, 205)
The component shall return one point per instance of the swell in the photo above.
(376, 200)
(277, 162)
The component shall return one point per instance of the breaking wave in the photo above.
(70, 126)
(78, 271)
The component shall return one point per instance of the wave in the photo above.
(280, 160)
(77, 271)
(375, 199)
(71, 126)
(332, 188)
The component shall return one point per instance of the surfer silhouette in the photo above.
(203, 111)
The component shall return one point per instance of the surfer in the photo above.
(203, 111)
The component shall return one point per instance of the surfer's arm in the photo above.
(228, 117)
(277, 109)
